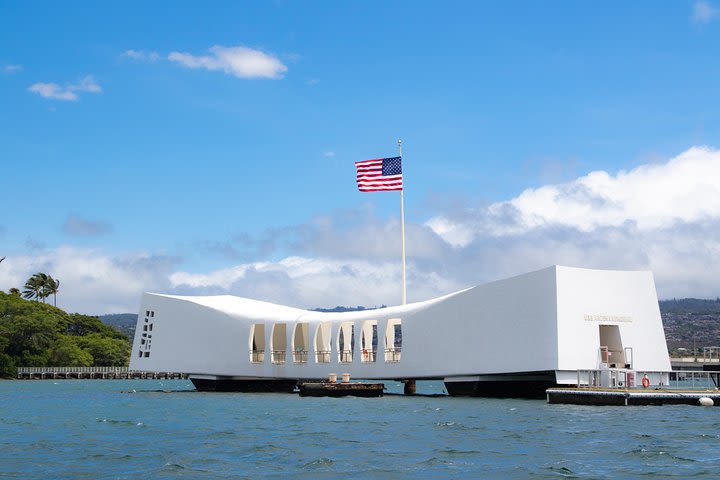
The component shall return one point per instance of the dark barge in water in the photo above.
(337, 389)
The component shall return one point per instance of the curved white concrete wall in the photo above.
(590, 298)
(540, 321)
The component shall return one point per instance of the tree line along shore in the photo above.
(37, 334)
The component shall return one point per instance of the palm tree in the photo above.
(14, 291)
(51, 287)
(34, 287)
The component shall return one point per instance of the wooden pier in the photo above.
(92, 373)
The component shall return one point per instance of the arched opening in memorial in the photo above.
(257, 343)
(393, 340)
(322, 342)
(611, 348)
(368, 341)
(278, 343)
(346, 342)
(300, 344)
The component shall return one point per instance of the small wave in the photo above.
(436, 461)
(588, 433)
(648, 453)
(458, 426)
(453, 451)
(12, 421)
(129, 423)
(445, 424)
(319, 463)
(268, 447)
(562, 470)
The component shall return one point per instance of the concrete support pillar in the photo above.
(409, 387)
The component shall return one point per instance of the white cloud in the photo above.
(329, 154)
(86, 84)
(663, 217)
(703, 12)
(90, 281)
(142, 55)
(68, 92)
(93, 282)
(312, 282)
(9, 68)
(54, 91)
(682, 190)
(241, 62)
(457, 234)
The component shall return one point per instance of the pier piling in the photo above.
(410, 387)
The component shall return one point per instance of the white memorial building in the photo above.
(516, 336)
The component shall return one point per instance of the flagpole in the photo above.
(402, 230)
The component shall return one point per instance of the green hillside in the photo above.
(697, 306)
(124, 322)
(35, 334)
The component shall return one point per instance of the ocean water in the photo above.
(164, 429)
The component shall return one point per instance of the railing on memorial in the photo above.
(647, 380)
(392, 355)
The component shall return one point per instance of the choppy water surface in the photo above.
(101, 429)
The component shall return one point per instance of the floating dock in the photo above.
(624, 397)
(356, 389)
(337, 389)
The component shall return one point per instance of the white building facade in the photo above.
(508, 337)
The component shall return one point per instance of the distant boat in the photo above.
(512, 337)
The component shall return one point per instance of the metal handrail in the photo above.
(392, 354)
(618, 378)
(278, 356)
(322, 356)
(368, 355)
(300, 356)
(609, 357)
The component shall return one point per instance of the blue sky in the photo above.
(175, 140)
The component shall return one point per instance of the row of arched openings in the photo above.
(301, 349)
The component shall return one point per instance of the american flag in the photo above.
(380, 174)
